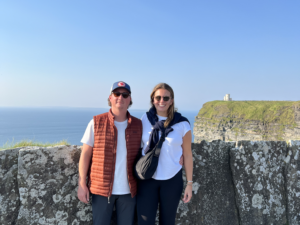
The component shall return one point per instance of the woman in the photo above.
(166, 185)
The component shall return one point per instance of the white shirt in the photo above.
(171, 150)
(120, 185)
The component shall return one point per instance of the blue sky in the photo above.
(68, 53)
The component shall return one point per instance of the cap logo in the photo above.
(121, 84)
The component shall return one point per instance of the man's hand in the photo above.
(83, 193)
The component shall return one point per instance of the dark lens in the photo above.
(158, 98)
(117, 94)
(166, 98)
(125, 95)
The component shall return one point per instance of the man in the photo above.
(110, 145)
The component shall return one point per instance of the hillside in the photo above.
(248, 120)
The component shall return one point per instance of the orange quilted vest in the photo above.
(102, 168)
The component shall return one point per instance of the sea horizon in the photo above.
(53, 124)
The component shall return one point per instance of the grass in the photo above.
(25, 143)
(281, 112)
(266, 113)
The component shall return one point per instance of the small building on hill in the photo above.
(227, 97)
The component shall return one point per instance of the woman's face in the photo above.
(160, 103)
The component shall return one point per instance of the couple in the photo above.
(111, 144)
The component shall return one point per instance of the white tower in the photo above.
(227, 97)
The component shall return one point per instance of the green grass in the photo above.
(266, 113)
(281, 112)
(25, 143)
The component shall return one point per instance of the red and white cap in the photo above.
(120, 84)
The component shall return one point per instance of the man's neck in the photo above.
(119, 114)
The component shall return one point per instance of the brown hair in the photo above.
(171, 109)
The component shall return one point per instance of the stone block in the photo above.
(213, 199)
(9, 193)
(258, 175)
(293, 183)
(47, 179)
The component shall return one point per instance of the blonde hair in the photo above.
(171, 109)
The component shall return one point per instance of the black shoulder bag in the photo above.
(147, 164)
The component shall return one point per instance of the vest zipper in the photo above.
(111, 177)
(127, 164)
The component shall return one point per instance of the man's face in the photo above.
(120, 102)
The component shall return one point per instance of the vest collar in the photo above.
(111, 117)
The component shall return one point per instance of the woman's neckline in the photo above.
(161, 117)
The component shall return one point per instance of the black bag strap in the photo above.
(159, 144)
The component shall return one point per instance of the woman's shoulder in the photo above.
(180, 118)
(182, 124)
(145, 120)
(144, 116)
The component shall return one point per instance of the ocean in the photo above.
(54, 124)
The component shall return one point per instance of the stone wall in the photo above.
(240, 182)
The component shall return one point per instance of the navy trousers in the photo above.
(165, 192)
(102, 209)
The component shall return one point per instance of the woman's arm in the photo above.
(188, 165)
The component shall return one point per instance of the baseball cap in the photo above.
(120, 84)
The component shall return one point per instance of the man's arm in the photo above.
(84, 164)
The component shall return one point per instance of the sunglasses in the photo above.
(124, 94)
(165, 98)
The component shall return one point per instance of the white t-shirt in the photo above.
(120, 185)
(171, 150)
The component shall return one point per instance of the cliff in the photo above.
(242, 183)
(248, 120)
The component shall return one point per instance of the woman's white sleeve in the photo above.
(186, 127)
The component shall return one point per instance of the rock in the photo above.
(248, 120)
(257, 183)
(257, 169)
(47, 179)
(213, 199)
(9, 193)
(293, 182)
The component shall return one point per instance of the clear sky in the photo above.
(68, 53)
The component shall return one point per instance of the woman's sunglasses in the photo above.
(124, 94)
(165, 98)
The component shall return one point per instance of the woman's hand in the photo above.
(187, 193)
(181, 160)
